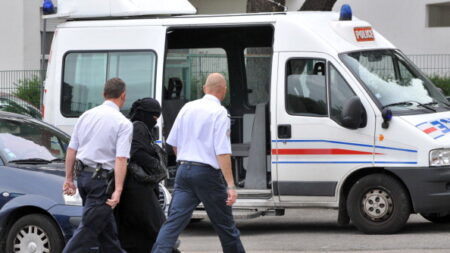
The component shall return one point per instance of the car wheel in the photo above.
(34, 233)
(438, 218)
(378, 204)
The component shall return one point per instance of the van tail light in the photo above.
(43, 111)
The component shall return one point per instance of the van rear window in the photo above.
(85, 74)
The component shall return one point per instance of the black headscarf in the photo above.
(144, 109)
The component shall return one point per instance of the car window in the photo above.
(340, 92)
(27, 140)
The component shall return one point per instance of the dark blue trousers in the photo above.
(98, 226)
(195, 184)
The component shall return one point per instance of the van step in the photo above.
(237, 214)
(254, 194)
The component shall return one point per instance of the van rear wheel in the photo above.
(378, 204)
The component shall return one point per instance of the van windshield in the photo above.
(394, 82)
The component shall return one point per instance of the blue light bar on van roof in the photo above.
(48, 7)
(346, 13)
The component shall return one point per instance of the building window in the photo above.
(439, 14)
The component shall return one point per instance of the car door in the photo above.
(313, 150)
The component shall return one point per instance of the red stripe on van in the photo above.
(429, 130)
(326, 151)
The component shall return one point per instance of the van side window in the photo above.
(306, 92)
(85, 74)
(189, 68)
(258, 64)
(340, 92)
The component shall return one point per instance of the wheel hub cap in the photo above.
(31, 239)
(377, 205)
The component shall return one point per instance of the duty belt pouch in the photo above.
(79, 166)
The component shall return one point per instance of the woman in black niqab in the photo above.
(139, 215)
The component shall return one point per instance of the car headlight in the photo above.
(74, 200)
(440, 157)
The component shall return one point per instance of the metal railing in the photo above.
(434, 65)
(20, 89)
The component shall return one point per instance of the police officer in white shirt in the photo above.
(100, 142)
(200, 137)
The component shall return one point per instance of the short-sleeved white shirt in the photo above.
(201, 131)
(101, 134)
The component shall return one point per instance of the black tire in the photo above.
(438, 218)
(34, 231)
(378, 204)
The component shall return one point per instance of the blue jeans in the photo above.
(195, 184)
(98, 226)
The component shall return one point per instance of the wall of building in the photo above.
(11, 44)
(20, 43)
(404, 23)
(32, 34)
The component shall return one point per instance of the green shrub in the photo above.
(29, 90)
(443, 83)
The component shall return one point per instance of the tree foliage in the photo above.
(29, 90)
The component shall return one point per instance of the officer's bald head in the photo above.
(216, 85)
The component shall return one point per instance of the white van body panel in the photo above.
(117, 8)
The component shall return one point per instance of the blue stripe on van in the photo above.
(437, 137)
(340, 162)
(350, 143)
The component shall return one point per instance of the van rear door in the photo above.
(88, 53)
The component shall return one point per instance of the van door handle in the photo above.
(284, 131)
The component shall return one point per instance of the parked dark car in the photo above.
(35, 216)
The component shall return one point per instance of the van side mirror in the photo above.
(353, 114)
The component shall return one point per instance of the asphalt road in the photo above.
(316, 230)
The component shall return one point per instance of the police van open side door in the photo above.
(314, 152)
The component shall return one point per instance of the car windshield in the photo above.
(393, 81)
(23, 140)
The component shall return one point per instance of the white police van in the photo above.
(325, 111)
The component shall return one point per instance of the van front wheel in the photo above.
(378, 204)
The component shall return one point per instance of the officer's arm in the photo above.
(225, 165)
(120, 171)
(174, 150)
(70, 162)
(69, 187)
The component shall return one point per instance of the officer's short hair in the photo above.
(114, 87)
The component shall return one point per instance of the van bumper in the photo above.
(429, 187)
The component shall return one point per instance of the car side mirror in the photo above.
(353, 114)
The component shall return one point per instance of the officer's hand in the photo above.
(69, 188)
(232, 196)
(114, 200)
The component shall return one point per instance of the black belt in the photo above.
(99, 172)
(194, 163)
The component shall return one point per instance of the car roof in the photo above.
(12, 115)
(15, 116)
